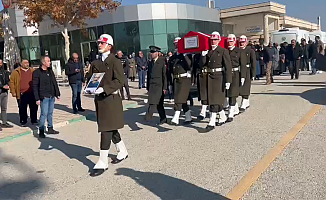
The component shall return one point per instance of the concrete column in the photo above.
(266, 30)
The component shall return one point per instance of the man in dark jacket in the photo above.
(75, 73)
(4, 87)
(45, 88)
(156, 85)
(268, 59)
(142, 66)
(126, 71)
(293, 56)
(305, 55)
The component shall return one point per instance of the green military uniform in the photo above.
(215, 72)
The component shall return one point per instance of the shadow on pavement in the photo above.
(14, 118)
(167, 187)
(314, 96)
(10, 188)
(70, 150)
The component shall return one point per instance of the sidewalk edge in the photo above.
(61, 124)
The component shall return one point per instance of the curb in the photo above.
(62, 124)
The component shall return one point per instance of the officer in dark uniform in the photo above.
(238, 78)
(180, 67)
(215, 78)
(250, 72)
(126, 71)
(156, 85)
(108, 104)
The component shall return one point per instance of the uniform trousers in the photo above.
(294, 67)
(183, 106)
(106, 138)
(159, 107)
(232, 101)
(213, 108)
(126, 86)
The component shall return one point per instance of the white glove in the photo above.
(242, 81)
(185, 54)
(170, 89)
(253, 78)
(227, 85)
(99, 90)
(204, 53)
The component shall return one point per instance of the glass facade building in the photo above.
(133, 28)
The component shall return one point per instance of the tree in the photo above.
(64, 13)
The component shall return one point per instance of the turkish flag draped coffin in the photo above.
(194, 42)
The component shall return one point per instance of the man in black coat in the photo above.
(293, 57)
(305, 55)
(126, 70)
(142, 66)
(268, 53)
(75, 72)
(156, 85)
(180, 69)
(45, 88)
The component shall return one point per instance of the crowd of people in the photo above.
(295, 57)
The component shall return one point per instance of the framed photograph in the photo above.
(94, 83)
(191, 42)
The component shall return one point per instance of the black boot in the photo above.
(52, 131)
(41, 134)
(97, 172)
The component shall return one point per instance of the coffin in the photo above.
(194, 42)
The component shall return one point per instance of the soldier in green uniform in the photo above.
(180, 67)
(215, 78)
(250, 72)
(238, 78)
(108, 104)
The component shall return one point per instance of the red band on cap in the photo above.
(103, 40)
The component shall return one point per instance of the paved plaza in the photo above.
(275, 150)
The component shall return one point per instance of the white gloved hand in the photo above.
(204, 53)
(227, 85)
(253, 78)
(185, 54)
(242, 81)
(99, 90)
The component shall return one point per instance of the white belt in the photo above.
(247, 65)
(235, 69)
(217, 70)
(206, 70)
(187, 74)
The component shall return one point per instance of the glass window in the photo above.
(75, 35)
(23, 42)
(24, 53)
(146, 41)
(172, 26)
(227, 29)
(88, 34)
(34, 41)
(146, 27)
(34, 53)
(108, 29)
(159, 26)
(200, 26)
(170, 40)
(61, 40)
(161, 41)
(100, 31)
(183, 26)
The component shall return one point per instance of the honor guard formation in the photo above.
(224, 75)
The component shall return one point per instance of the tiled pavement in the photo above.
(63, 110)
